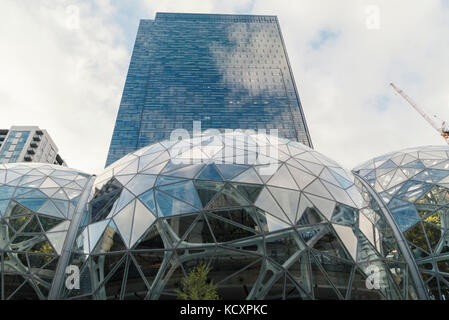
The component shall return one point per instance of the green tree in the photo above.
(196, 287)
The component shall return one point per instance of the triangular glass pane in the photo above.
(348, 238)
(163, 180)
(148, 199)
(171, 166)
(366, 251)
(135, 286)
(112, 286)
(125, 178)
(49, 223)
(143, 218)
(155, 169)
(210, 172)
(338, 271)
(405, 217)
(57, 240)
(200, 233)
(416, 235)
(49, 191)
(230, 170)
(327, 176)
(312, 167)
(246, 217)
(32, 204)
(63, 226)
(433, 233)
(168, 205)
(318, 189)
(288, 200)
(96, 230)
(207, 190)
(33, 182)
(124, 220)
(62, 205)
(267, 203)
(6, 192)
(228, 197)
(307, 213)
(33, 226)
(48, 208)
(152, 240)
(250, 191)
(308, 157)
(281, 246)
(131, 168)
(43, 247)
(125, 198)
(345, 183)
(60, 194)
(184, 191)
(344, 215)
(178, 225)
(141, 183)
(432, 176)
(144, 161)
(322, 288)
(48, 183)
(249, 176)
(339, 194)
(270, 224)
(283, 179)
(32, 194)
(186, 172)
(326, 207)
(147, 259)
(249, 268)
(324, 241)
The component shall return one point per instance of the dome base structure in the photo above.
(270, 218)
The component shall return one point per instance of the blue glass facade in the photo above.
(227, 71)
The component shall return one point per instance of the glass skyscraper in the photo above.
(227, 71)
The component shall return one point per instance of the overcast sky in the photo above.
(63, 65)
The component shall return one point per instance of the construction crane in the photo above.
(443, 129)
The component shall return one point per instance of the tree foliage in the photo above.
(196, 287)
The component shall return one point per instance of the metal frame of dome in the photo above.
(37, 203)
(414, 185)
(271, 217)
(303, 231)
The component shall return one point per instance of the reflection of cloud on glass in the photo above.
(249, 58)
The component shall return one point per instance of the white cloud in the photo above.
(69, 79)
(63, 69)
(339, 83)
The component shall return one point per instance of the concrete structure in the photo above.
(28, 144)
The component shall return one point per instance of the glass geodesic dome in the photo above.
(414, 184)
(272, 218)
(37, 203)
